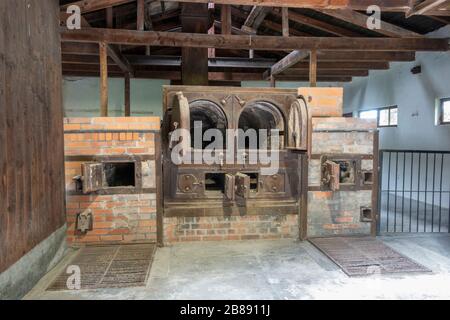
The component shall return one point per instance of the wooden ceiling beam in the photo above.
(175, 39)
(173, 61)
(321, 78)
(213, 76)
(385, 5)
(360, 20)
(366, 56)
(76, 51)
(327, 63)
(325, 72)
(333, 65)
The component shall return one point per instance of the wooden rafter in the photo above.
(175, 39)
(290, 60)
(360, 20)
(321, 25)
(269, 24)
(426, 6)
(255, 18)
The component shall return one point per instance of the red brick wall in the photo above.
(230, 228)
(118, 218)
(338, 213)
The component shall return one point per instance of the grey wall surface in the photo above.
(82, 97)
(415, 96)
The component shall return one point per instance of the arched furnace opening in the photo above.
(261, 115)
(211, 116)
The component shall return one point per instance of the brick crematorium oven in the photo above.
(125, 181)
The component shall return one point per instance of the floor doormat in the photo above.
(119, 266)
(363, 256)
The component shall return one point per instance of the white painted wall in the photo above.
(415, 96)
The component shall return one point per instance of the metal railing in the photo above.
(414, 191)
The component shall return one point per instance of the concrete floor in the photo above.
(273, 270)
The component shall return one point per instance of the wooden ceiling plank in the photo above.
(175, 39)
(360, 19)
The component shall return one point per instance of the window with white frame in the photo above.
(444, 111)
(386, 117)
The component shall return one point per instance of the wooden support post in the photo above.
(226, 19)
(109, 18)
(251, 54)
(272, 82)
(211, 51)
(127, 95)
(313, 68)
(194, 65)
(140, 15)
(285, 18)
(103, 50)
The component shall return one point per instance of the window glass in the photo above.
(394, 117)
(446, 111)
(372, 114)
(384, 118)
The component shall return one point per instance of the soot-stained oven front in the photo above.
(240, 186)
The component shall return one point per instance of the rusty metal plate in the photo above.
(187, 183)
(364, 256)
(120, 266)
(274, 183)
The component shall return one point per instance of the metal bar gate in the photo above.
(414, 192)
